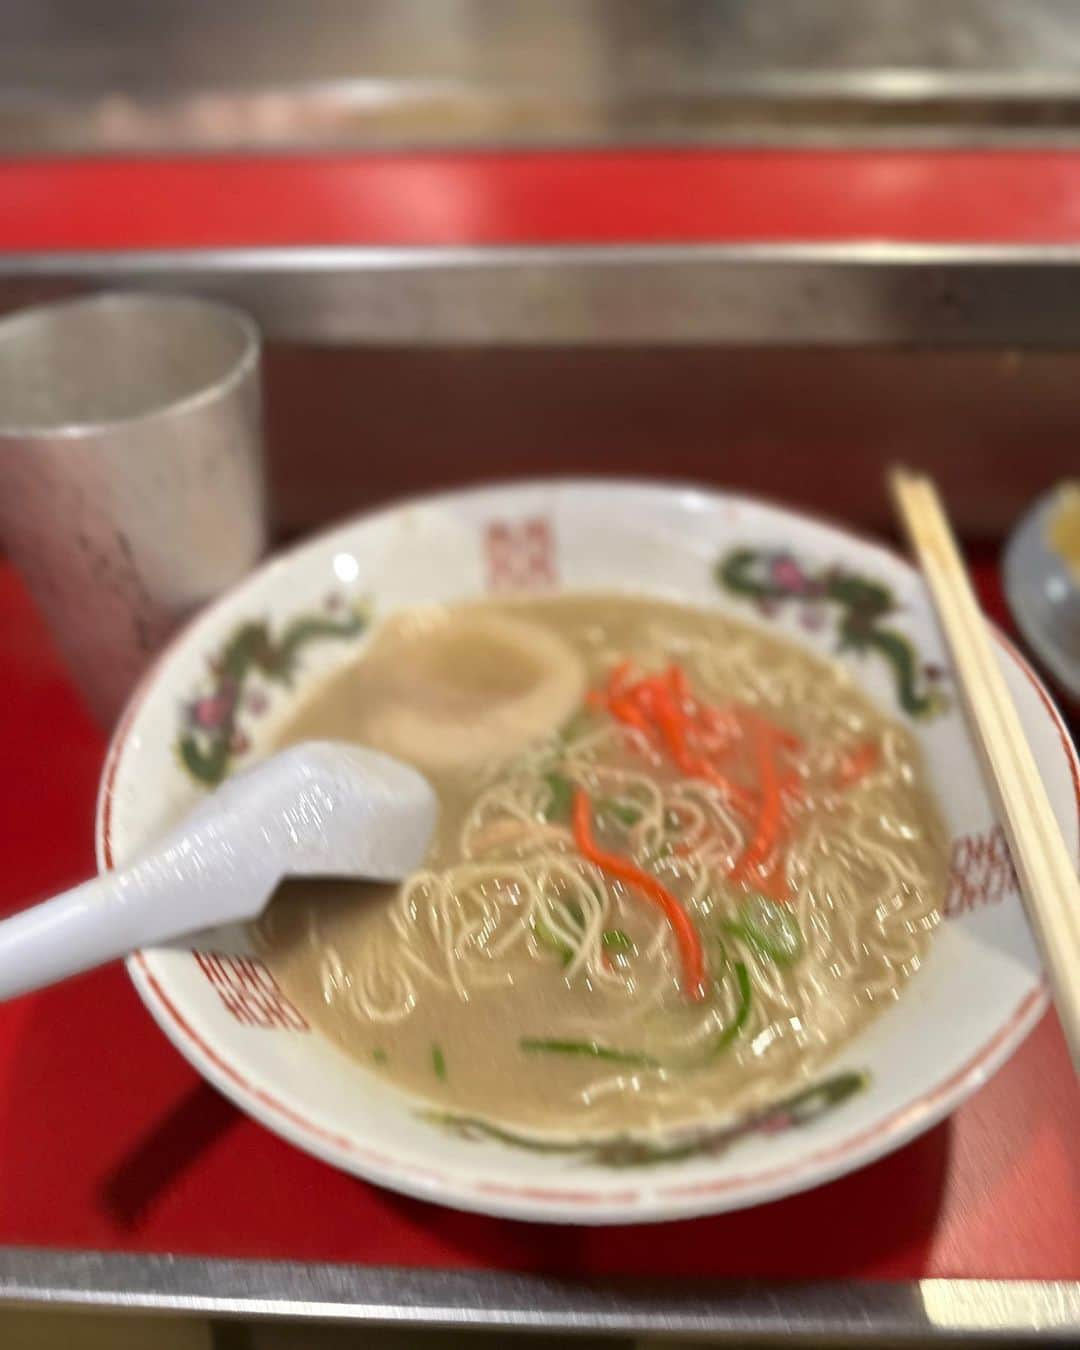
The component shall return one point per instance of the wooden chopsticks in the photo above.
(1047, 874)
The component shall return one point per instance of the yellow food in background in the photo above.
(1063, 531)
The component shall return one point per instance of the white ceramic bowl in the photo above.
(217, 692)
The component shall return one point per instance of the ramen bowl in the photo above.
(223, 690)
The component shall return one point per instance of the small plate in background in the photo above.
(1043, 592)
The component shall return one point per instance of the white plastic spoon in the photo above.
(318, 809)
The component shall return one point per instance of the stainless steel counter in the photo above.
(96, 75)
(814, 295)
(776, 370)
(1006, 1312)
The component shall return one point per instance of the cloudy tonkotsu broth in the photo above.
(679, 863)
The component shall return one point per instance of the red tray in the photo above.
(108, 1140)
(642, 195)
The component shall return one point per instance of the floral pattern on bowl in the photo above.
(792, 1112)
(771, 577)
(212, 732)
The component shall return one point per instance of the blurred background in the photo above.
(555, 220)
(116, 75)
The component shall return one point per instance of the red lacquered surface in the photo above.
(604, 196)
(108, 1140)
